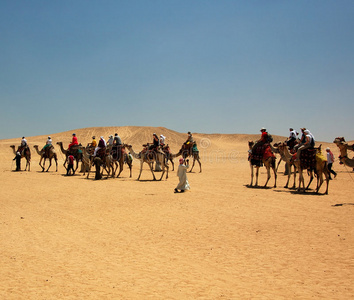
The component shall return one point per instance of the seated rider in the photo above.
(307, 143)
(48, 144)
(162, 140)
(189, 139)
(23, 145)
(195, 149)
(291, 139)
(155, 143)
(263, 140)
(110, 141)
(93, 144)
(101, 145)
(73, 142)
(117, 140)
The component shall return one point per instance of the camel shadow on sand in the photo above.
(260, 187)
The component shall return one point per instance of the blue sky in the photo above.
(202, 66)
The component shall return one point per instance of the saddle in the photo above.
(75, 149)
(117, 152)
(307, 158)
(47, 150)
(101, 153)
(259, 153)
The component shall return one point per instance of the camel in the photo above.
(186, 151)
(268, 163)
(149, 158)
(120, 159)
(74, 152)
(88, 160)
(287, 157)
(320, 169)
(169, 155)
(26, 153)
(51, 154)
(343, 147)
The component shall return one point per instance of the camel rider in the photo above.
(48, 143)
(117, 140)
(263, 140)
(309, 143)
(93, 143)
(117, 147)
(189, 139)
(23, 145)
(74, 141)
(155, 143)
(291, 139)
(162, 140)
(101, 145)
(110, 141)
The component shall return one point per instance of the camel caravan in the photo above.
(107, 157)
(298, 154)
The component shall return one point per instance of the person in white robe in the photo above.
(182, 174)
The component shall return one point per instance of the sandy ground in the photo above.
(77, 238)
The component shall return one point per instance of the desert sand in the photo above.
(77, 238)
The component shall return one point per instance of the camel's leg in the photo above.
(152, 170)
(173, 165)
(279, 163)
(294, 184)
(268, 175)
(192, 165)
(289, 174)
(257, 172)
(300, 180)
(251, 175)
(40, 163)
(141, 168)
(121, 165)
(275, 175)
(200, 165)
(311, 178)
(50, 163)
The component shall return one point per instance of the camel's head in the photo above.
(339, 140)
(250, 143)
(12, 146)
(35, 146)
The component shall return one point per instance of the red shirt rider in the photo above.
(74, 141)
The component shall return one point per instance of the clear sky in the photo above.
(220, 66)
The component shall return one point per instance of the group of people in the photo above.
(307, 141)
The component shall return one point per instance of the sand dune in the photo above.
(76, 238)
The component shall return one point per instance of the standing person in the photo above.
(18, 161)
(182, 174)
(73, 141)
(70, 165)
(330, 161)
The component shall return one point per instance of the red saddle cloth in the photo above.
(268, 152)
